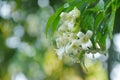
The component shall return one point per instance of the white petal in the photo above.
(74, 47)
(63, 14)
(86, 46)
(76, 12)
(70, 25)
(68, 49)
(80, 34)
(63, 28)
(60, 52)
(72, 36)
(58, 34)
(61, 41)
(58, 43)
(89, 33)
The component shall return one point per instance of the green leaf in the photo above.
(90, 1)
(76, 28)
(55, 25)
(101, 39)
(53, 20)
(49, 23)
(87, 22)
(102, 42)
(99, 6)
(98, 36)
(70, 1)
(108, 4)
(76, 3)
(118, 4)
(99, 19)
(110, 23)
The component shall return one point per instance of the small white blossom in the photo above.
(87, 45)
(63, 28)
(75, 13)
(69, 19)
(71, 36)
(80, 34)
(70, 24)
(63, 16)
(85, 39)
(60, 52)
(61, 41)
(73, 47)
(89, 33)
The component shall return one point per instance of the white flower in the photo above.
(69, 19)
(60, 52)
(63, 28)
(63, 16)
(85, 39)
(73, 47)
(75, 13)
(61, 41)
(70, 24)
(71, 36)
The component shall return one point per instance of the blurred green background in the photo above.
(26, 54)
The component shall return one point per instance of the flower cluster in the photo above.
(68, 41)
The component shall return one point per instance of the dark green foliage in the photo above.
(98, 7)
(87, 22)
(99, 19)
